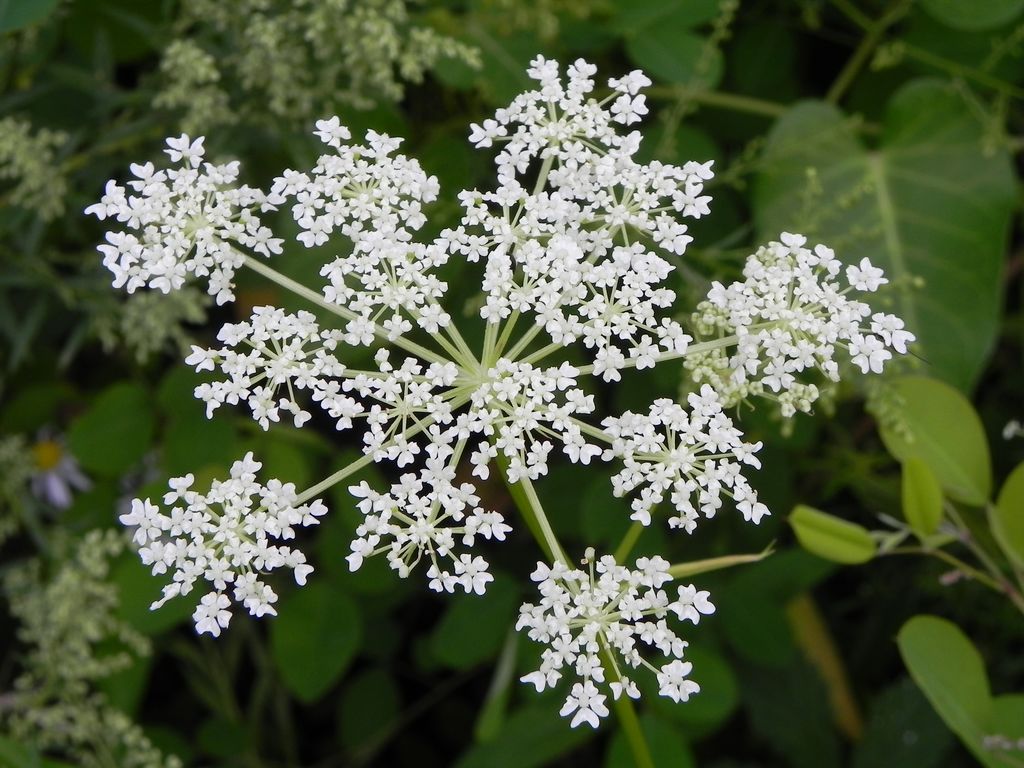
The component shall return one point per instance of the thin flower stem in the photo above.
(529, 505)
(864, 50)
(685, 570)
(628, 541)
(366, 459)
(971, 572)
(312, 296)
(525, 497)
(731, 101)
(626, 712)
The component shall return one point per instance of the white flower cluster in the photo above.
(573, 247)
(281, 351)
(791, 315)
(686, 454)
(225, 537)
(375, 200)
(572, 250)
(185, 220)
(611, 610)
(421, 516)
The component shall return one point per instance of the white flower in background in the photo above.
(791, 315)
(226, 537)
(56, 475)
(1013, 428)
(613, 610)
(183, 221)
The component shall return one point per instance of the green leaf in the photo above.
(670, 55)
(474, 626)
(531, 738)
(903, 729)
(939, 426)
(633, 16)
(18, 14)
(313, 639)
(830, 537)
(1007, 516)
(137, 589)
(949, 670)
(667, 746)
(922, 497)
(14, 755)
(973, 14)
(928, 195)
(369, 707)
(115, 432)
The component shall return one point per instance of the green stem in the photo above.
(971, 572)
(312, 296)
(365, 460)
(526, 500)
(628, 720)
(693, 349)
(628, 542)
(867, 46)
(732, 101)
(685, 570)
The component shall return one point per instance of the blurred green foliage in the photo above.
(884, 129)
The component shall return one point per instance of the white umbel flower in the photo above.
(182, 222)
(226, 537)
(791, 316)
(614, 609)
(692, 456)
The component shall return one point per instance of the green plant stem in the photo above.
(315, 298)
(525, 497)
(692, 568)
(731, 101)
(933, 60)
(1000, 586)
(628, 542)
(626, 713)
(864, 50)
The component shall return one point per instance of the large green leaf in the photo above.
(16, 14)
(531, 738)
(903, 729)
(831, 537)
(314, 638)
(474, 626)
(666, 744)
(659, 40)
(928, 203)
(949, 670)
(922, 497)
(973, 14)
(115, 432)
(939, 426)
(1008, 516)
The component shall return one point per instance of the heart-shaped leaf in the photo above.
(314, 638)
(929, 205)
